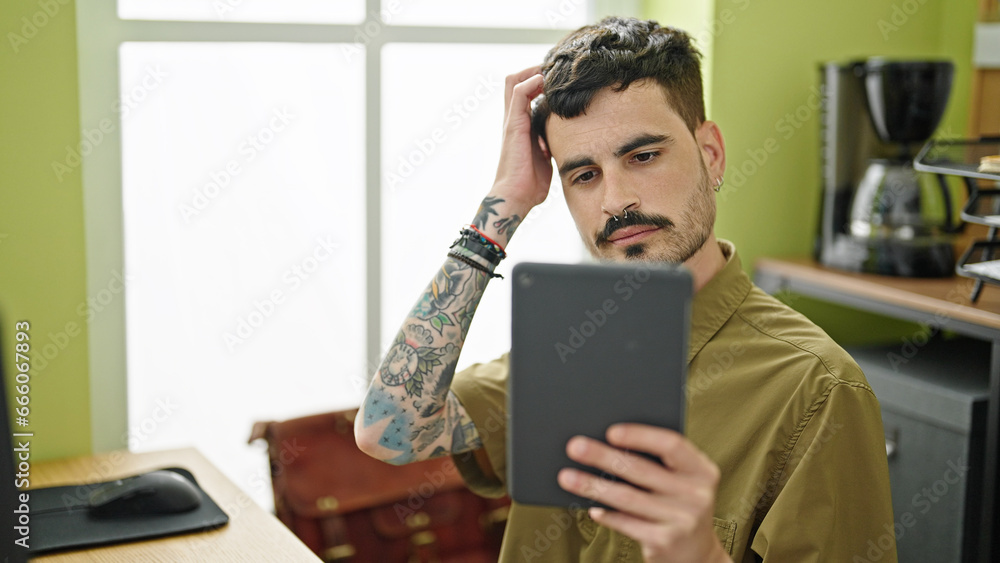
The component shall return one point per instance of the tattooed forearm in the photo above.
(409, 412)
(407, 399)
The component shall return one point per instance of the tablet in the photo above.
(591, 345)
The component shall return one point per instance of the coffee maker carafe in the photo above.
(878, 214)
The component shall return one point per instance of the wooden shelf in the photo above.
(944, 297)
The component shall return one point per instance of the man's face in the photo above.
(631, 152)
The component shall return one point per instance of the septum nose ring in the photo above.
(625, 213)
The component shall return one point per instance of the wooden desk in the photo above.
(942, 303)
(251, 535)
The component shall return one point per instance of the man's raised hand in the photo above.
(525, 170)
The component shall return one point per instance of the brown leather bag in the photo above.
(347, 506)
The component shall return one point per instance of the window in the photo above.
(287, 189)
(291, 11)
(242, 238)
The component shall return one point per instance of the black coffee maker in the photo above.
(879, 215)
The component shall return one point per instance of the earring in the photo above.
(718, 183)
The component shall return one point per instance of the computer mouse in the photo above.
(156, 492)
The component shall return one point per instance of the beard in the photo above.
(678, 240)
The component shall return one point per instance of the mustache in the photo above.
(634, 218)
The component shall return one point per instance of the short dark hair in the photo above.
(615, 53)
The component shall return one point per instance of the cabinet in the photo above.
(938, 303)
(933, 400)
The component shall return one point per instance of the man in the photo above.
(783, 458)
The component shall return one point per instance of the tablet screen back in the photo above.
(591, 345)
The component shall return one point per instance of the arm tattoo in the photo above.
(427, 434)
(486, 208)
(503, 225)
(441, 388)
(507, 225)
(464, 314)
(410, 400)
(409, 361)
(448, 284)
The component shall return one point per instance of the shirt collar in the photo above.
(717, 300)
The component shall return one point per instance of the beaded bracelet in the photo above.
(475, 265)
(474, 243)
(474, 247)
(488, 239)
(472, 232)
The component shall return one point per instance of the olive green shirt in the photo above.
(784, 412)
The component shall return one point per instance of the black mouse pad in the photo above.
(60, 519)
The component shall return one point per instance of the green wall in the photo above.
(42, 266)
(764, 71)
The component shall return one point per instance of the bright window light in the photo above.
(243, 197)
(550, 14)
(265, 11)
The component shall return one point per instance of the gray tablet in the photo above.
(592, 345)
